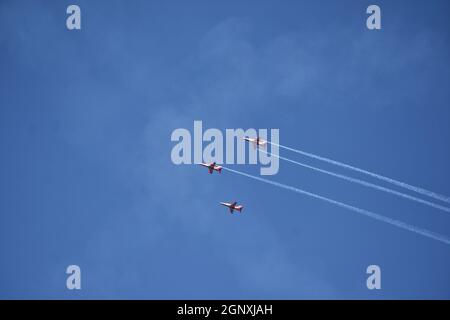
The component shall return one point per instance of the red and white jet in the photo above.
(233, 206)
(257, 142)
(211, 167)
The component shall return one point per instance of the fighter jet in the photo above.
(232, 206)
(211, 167)
(257, 142)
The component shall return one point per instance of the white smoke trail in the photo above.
(367, 213)
(362, 182)
(377, 176)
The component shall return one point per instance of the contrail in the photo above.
(377, 176)
(362, 182)
(367, 213)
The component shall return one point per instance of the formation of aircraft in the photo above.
(257, 142)
(233, 206)
(212, 167)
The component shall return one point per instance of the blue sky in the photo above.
(86, 175)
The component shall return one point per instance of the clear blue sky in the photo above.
(85, 170)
